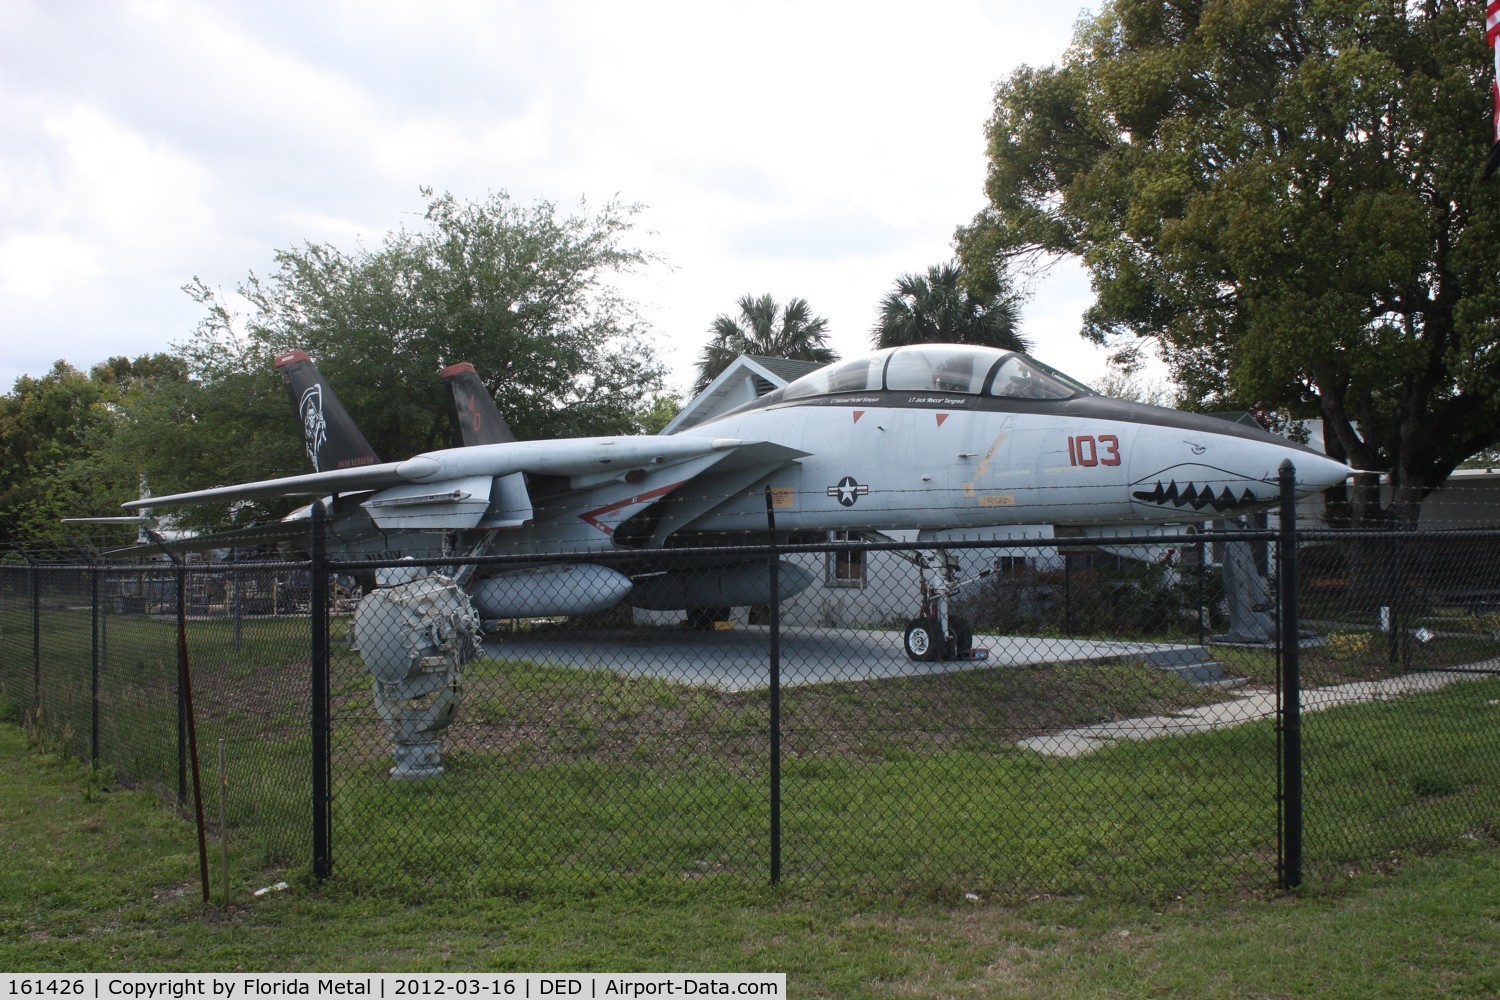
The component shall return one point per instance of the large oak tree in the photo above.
(1286, 195)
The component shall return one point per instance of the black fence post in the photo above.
(190, 726)
(238, 610)
(774, 567)
(1067, 593)
(1291, 698)
(36, 643)
(183, 695)
(94, 666)
(322, 797)
(1202, 591)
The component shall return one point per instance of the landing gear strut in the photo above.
(936, 634)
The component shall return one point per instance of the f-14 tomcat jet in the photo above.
(940, 439)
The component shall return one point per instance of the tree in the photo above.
(223, 418)
(655, 413)
(765, 329)
(58, 443)
(521, 292)
(1286, 196)
(935, 308)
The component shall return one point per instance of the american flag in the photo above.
(1491, 31)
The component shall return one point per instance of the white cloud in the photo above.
(813, 150)
(95, 213)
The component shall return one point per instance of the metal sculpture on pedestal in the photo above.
(414, 639)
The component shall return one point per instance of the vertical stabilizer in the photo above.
(329, 433)
(472, 417)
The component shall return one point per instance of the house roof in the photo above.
(747, 378)
(788, 370)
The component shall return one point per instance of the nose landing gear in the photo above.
(937, 634)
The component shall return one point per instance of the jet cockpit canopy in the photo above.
(956, 368)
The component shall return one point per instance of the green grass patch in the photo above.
(1347, 653)
(935, 815)
(564, 780)
(103, 879)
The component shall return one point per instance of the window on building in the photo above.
(846, 567)
(1009, 565)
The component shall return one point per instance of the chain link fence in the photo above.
(1401, 702)
(107, 661)
(1099, 714)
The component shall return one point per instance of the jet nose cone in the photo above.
(1314, 472)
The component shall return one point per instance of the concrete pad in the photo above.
(738, 659)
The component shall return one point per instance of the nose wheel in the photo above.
(926, 639)
(923, 639)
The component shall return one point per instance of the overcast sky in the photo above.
(802, 149)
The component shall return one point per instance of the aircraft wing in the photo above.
(251, 535)
(366, 477)
(578, 458)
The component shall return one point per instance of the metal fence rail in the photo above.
(1126, 730)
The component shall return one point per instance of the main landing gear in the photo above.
(937, 634)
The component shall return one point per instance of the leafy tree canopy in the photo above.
(1285, 194)
(936, 308)
(522, 292)
(57, 453)
(765, 329)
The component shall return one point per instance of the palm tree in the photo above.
(935, 308)
(764, 329)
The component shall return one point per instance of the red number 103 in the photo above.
(1088, 450)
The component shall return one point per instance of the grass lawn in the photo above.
(565, 781)
(100, 879)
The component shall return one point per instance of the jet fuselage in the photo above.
(944, 437)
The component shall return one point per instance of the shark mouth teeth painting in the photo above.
(1205, 494)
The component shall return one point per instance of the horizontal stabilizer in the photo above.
(241, 538)
(367, 477)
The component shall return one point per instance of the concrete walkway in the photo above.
(1247, 705)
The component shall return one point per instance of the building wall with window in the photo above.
(858, 589)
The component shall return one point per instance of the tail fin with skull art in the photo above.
(328, 432)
